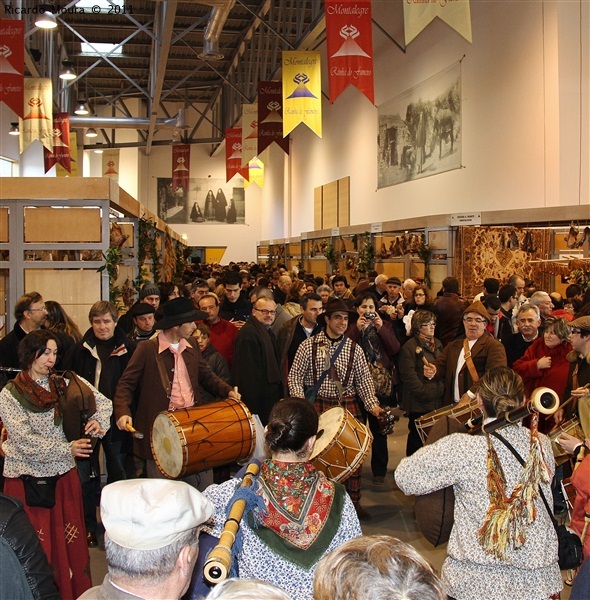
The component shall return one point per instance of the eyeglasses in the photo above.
(419, 294)
(429, 324)
(43, 309)
(265, 311)
(473, 320)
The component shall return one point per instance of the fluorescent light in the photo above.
(100, 49)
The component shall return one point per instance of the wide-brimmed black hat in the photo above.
(179, 311)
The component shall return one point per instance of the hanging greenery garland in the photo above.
(113, 258)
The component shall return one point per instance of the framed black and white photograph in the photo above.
(206, 201)
(420, 130)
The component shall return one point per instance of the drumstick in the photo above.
(420, 353)
(219, 560)
(136, 434)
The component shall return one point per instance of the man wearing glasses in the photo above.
(578, 376)
(464, 361)
(255, 368)
(30, 314)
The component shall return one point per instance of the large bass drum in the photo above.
(343, 445)
(193, 439)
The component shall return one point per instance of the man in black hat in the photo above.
(167, 370)
(332, 379)
(149, 294)
(144, 321)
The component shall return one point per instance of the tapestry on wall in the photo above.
(499, 252)
(205, 201)
(420, 130)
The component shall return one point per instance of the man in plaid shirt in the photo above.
(348, 381)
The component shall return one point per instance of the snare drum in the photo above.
(343, 446)
(189, 440)
(462, 413)
(573, 428)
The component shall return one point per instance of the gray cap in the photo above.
(149, 289)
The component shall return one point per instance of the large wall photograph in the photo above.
(205, 201)
(420, 130)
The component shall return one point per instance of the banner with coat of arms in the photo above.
(12, 64)
(110, 164)
(181, 166)
(302, 91)
(249, 132)
(233, 154)
(37, 121)
(270, 116)
(61, 143)
(349, 40)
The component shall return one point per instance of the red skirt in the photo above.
(62, 533)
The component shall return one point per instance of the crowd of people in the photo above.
(291, 346)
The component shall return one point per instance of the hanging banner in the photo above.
(181, 163)
(302, 91)
(418, 14)
(59, 170)
(38, 108)
(110, 164)
(249, 132)
(12, 64)
(233, 154)
(256, 171)
(270, 116)
(349, 40)
(61, 143)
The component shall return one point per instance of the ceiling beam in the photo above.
(160, 51)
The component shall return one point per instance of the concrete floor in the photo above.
(392, 512)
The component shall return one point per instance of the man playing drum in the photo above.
(333, 370)
(168, 371)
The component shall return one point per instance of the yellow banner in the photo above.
(249, 132)
(38, 120)
(302, 91)
(256, 170)
(59, 170)
(419, 13)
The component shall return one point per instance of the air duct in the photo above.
(217, 20)
(177, 122)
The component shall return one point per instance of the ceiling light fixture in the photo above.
(46, 18)
(81, 108)
(98, 149)
(91, 132)
(67, 73)
(14, 130)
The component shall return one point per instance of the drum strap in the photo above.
(314, 353)
(469, 361)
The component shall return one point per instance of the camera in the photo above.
(370, 315)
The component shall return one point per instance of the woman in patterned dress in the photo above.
(503, 543)
(31, 410)
(301, 515)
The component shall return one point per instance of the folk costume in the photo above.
(301, 516)
(37, 446)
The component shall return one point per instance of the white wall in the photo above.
(519, 148)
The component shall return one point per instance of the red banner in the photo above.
(270, 116)
(181, 166)
(349, 41)
(12, 64)
(233, 154)
(61, 143)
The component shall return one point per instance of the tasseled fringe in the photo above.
(507, 519)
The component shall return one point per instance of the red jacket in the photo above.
(555, 377)
(581, 483)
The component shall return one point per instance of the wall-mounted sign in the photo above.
(473, 218)
(335, 231)
(376, 227)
